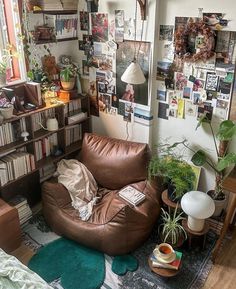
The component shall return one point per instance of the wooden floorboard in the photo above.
(222, 275)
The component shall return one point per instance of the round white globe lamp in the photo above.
(198, 206)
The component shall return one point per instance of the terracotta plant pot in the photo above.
(68, 85)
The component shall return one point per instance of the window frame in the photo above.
(11, 34)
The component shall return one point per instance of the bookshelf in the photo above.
(25, 164)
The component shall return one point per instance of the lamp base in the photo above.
(196, 225)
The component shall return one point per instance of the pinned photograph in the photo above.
(180, 81)
(211, 81)
(187, 92)
(99, 26)
(198, 84)
(84, 20)
(206, 110)
(224, 87)
(129, 29)
(161, 95)
(196, 97)
(190, 108)
(119, 25)
(163, 68)
(222, 103)
(211, 95)
(166, 32)
(162, 110)
(102, 87)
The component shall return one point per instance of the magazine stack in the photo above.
(23, 208)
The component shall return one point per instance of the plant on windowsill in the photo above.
(171, 230)
(177, 174)
(224, 159)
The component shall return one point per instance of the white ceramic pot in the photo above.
(219, 206)
(7, 112)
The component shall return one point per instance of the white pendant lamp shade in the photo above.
(133, 74)
(198, 206)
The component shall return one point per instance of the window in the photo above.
(11, 40)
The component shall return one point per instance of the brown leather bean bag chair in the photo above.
(115, 227)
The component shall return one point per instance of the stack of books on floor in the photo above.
(23, 208)
(158, 263)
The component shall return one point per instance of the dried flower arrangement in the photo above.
(194, 28)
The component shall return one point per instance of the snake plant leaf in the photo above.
(227, 130)
(225, 162)
(199, 158)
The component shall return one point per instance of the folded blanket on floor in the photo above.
(80, 184)
(15, 275)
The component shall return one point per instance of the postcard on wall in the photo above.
(166, 32)
(211, 81)
(99, 26)
(180, 81)
(168, 52)
(205, 109)
(93, 96)
(129, 29)
(196, 97)
(222, 42)
(162, 110)
(84, 20)
(121, 108)
(224, 87)
(180, 111)
(187, 92)
(114, 101)
(128, 112)
(119, 25)
(190, 108)
(161, 91)
(222, 103)
(163, 68)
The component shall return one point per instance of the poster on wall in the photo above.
(99, 26)
(124, 56)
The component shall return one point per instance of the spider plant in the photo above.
(171, 229)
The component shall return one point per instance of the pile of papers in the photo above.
(159, 263)
(23, 208)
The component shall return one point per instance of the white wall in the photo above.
(115, 126)
(177, 128)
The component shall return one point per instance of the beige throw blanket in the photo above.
(15, 275)
(80, 184)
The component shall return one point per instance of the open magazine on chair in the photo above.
(132, 195)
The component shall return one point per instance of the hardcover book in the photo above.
(172, 265)
(132, 195)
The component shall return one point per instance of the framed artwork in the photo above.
(124, 56)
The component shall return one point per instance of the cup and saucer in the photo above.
(164, 253)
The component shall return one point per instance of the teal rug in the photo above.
(76, 266)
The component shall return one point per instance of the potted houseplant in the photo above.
(224, 159)
(68, 76)
(177, 174)
(171, 230)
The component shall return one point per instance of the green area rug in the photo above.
(76, 266)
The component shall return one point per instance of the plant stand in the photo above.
(170, 204)
(191, 234)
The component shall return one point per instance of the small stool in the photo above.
(191, 234)
(10, 232)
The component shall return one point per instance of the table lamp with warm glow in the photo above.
(198, 206)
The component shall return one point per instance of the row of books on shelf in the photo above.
(73, 134)
(216, 224)
(46, 146)
(11, 131)
(72, 107)
(65, 25)
(23, 208)
(175, 264)
(46, 171)
(40, 118)
(15, 165)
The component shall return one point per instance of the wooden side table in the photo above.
(229, 184)
(168, 202)
(163, 271)
(10, 232)
(191, 234)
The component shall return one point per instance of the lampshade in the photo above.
(198, 206)
(133, 74)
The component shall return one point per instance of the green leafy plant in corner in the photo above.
(171, 229)
(173, 169)
(224, 159)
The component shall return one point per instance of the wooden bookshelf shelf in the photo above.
(55, 41)
(20, 156)
(55, 12)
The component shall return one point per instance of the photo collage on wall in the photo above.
(109, 47)
(198, 79)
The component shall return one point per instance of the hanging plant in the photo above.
(185, 41)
